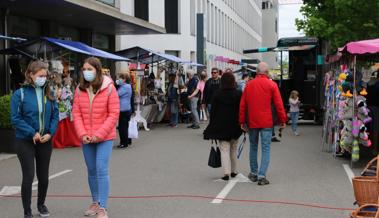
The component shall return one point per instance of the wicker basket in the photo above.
(366, 188)
(365, 211)
(371, 168)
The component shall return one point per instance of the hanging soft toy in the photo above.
(356, 126)
(347, 85)
(363, 92)
(355, 151)
(348, 109)
(341, 109)
(362, 109)
(347, 137)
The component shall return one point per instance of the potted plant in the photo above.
(6, 130)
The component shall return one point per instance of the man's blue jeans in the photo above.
(97, 160)
(266, 135)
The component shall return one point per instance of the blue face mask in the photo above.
(40, 81)
(119, 82)
(89, 75)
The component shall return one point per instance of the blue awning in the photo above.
(46, 45)
(84, 49)
(147, 56)
(12, 38)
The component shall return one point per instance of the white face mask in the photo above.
(40, 81)
(89, 75)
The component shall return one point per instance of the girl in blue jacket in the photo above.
(34, 115)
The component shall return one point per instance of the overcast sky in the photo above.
(287, 15)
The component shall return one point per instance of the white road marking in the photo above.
(225, 191)
(54, 176)
(349, 172)
(13, 190)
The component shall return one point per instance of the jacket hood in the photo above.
(106, 82)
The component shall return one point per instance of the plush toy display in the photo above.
(353, 113)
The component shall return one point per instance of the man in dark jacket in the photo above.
(256, 118)
(211, 86)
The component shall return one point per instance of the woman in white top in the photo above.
(294, 110)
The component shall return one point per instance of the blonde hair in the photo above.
(125, 75)
(294, 94)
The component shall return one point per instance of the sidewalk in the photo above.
(6, 156)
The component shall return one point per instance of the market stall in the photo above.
(151, 81)
(348, 119)
(63, 76)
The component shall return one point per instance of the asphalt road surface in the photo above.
(165, 175)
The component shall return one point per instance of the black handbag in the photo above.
(214, 160)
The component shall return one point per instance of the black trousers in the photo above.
(123, 127)
(27, 152)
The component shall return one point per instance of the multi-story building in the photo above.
(94, 22)
(270, 21)
(230, 26)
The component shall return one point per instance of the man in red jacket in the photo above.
(256, 118)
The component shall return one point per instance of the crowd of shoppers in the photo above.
(252, 105)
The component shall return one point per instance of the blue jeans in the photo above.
(266, 135)
(174, 113)
(294, 118)
(195, 112)
(97, 160)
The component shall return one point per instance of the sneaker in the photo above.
(196, 127)
(43, 211)
(92, 210)
(263, 181)
(274, 139)
(296, 134)
(122, 146)
(102, 213)
(28, 214)
(191, 126)
(225, 178)
(253, 177)
(233, 175)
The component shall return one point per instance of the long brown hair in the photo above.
(33, 68)
(96, 84)
(228, 81)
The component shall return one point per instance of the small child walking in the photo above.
(294, 110)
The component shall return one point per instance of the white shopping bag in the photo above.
(133, 129)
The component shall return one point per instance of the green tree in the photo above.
(340, 21)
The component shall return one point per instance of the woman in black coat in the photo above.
(224, 124)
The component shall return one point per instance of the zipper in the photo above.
(39, 112)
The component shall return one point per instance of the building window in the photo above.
(171, 16)
(141, 9)
(108, 2)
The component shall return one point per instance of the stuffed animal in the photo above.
(355, 151)
(347, 137)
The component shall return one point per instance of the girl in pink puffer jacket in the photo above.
(96, 110)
